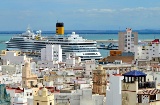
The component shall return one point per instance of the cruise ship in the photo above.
(31, 43)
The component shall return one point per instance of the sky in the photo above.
(17, 15)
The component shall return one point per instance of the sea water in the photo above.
(104, 53)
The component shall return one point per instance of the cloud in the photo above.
(107, 10)
(96, 10)
(133, 9)
(141, 9)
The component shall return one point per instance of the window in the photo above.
(37, 103)
(132, 39)
(50, 103)
(139, 98)
(152, 98)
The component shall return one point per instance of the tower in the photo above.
(130, 86)
(127, 40)
(26, 70)
(59, 28)
(99, 81)
(137, 91)
(28, 79)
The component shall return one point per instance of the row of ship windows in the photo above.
(81, 48)
(82, 51)
(89, 56)
(44, 44)
(92, 45)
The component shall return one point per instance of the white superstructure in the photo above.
(73, 44)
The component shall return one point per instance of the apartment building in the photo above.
(127, 40)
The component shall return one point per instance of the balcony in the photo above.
(146, 85)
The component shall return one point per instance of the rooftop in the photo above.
(134, 73)
(117, 74)
(155, 41)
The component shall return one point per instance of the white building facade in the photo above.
(113, 92)
(12, 57)
(89, 66)
(51, 53)
(148, 51)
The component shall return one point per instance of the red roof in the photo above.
(155, 41)
(17, 90)
(51, 89)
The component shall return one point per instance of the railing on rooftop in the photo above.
(143, 85)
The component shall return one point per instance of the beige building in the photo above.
(43, 98)
(137, 91)
(28, 79)
(127, 40)
(53, 80)
(99, 81)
